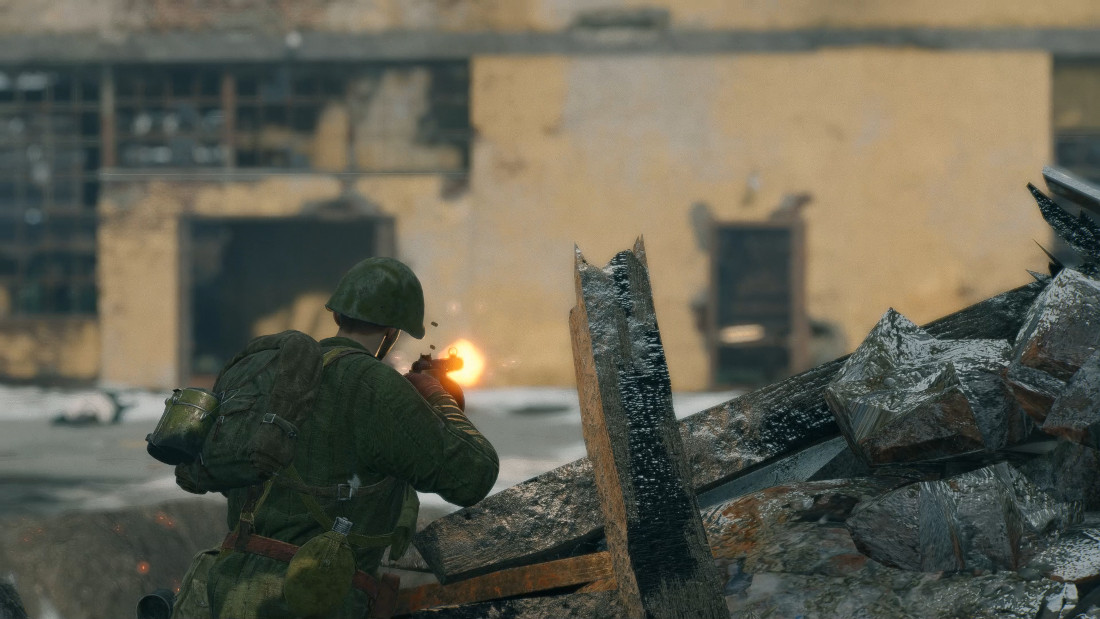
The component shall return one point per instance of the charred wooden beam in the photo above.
(558, 513)
(577, 605)
(527, 580)
(662, 562)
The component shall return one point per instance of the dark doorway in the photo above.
(240, 270)
(758, 330)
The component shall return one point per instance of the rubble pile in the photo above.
(978, 492)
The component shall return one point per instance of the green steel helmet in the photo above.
(382, 291)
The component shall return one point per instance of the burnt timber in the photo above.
(659, 552)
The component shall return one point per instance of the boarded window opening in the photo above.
(250, 277)
(758, 329)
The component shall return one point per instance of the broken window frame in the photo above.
(168, 117)
(51, 127)
(289, 97)
(49, 271)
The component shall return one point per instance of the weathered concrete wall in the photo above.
(114, 17)
(64, 349)
(917, 162)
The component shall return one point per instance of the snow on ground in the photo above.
(31, 402)
(100, 466)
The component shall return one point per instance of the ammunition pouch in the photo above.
(319, 575)
(192, 601)
(381, 590)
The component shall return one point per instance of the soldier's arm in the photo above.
(429, 443)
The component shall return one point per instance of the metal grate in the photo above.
(169, 117)
(49, 154)
(375, 117)
(58, 126)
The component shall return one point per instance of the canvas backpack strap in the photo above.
(247, 521)
(338, 352)
(341, 492)
(319, 515)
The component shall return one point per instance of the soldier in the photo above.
(374, 437)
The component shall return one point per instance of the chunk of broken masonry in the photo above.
(879, 591)
(1061, 331)
(794, 528)
(1069, 472)
(1074, 556)
(905, 396)
(1075, 414)
(989, 519)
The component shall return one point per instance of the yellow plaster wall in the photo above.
(61, 348)
(138, 278)
(115, 17)
(917, 161)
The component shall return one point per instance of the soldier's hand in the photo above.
(425, 384)
(452, 388)
(185, 479)
(429, 385)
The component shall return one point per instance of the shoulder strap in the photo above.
(247, 521)
(315, 510)
(333, 354)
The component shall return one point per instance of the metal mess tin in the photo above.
(188, 417)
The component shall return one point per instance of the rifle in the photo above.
(438, 369)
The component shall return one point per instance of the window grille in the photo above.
(49, 154)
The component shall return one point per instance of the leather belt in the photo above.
(382, 592)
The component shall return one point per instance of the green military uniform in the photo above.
(370, 428)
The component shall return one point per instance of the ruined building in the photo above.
(177, 177)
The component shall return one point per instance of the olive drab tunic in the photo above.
(370, 429)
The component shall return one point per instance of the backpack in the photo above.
(245, 431)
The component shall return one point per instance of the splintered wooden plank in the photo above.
(588, 605)
(529, 579)
(659, 551)
(607, 584)
(555, 513)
